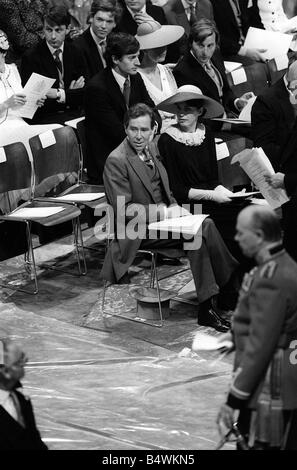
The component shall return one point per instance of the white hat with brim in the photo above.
(191, 92)
(152, 35)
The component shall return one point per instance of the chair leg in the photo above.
(79, 238)
(29, 260)
(154, 280)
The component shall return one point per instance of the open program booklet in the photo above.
(257, 166)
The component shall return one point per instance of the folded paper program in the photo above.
(257, 165)
(188, 225)
(35, 212)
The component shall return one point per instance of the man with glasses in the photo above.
(18, 429)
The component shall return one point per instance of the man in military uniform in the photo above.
(264, 334)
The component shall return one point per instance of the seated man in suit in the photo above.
(185, 13)
(136, 12)
(203, 67)
(232, 18)
(273, 116)
(104, 15)
(56, 58)
(18, 429)
(108, 95)
(136, 183)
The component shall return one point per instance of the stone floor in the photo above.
(105, 382)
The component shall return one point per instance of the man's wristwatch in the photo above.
(58, 94)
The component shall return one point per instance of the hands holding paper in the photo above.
(221, 195)
(276, 181)
(15, 101)
(253, 53)
(241, 102)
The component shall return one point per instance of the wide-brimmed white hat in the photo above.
(191, 92)
(151, 34)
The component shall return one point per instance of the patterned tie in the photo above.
(57, 60)
(147, 159)
(192, 14)
(126, 91)
(211, 72)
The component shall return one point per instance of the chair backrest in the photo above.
(15, 168)
(252, 77)
(81, 132)
(56, 160)
(276, 69)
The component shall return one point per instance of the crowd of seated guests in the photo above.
(124, 57)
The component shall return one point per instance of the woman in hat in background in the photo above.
(158, 78)
(189, 156)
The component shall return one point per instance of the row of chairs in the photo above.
(53, 173)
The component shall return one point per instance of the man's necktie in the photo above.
(126, 91)
(147, 159)
(211, 72)
(192, 14)
(17, 406)
(102, 44)
(58, 61)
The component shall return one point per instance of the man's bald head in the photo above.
(264, 219)
(256, 227)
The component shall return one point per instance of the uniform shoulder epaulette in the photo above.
(268, 270)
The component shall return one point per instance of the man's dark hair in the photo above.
(118, 45)
(267, 221)
(139, 110)
(110, 6)
(202, 29)
(57, 16)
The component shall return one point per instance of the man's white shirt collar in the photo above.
(187, 6)
(119, 79)
(52, 50)
(97, 41)
(132, 13)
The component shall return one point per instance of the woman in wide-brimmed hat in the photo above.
(158, 79)
(189, 155)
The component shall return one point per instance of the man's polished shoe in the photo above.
(212, 319)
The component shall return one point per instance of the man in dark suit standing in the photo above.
(232, 20)
(136, 12)
(273, 116)
(59, 59)
(184, 13)
(104, 15)
(108, 95)
(18, 429)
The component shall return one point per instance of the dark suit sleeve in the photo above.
(229, 39)
(75, 97)
(264, 132)
(100, 113)
(26, 68)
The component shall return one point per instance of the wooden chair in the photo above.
(16, 173)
